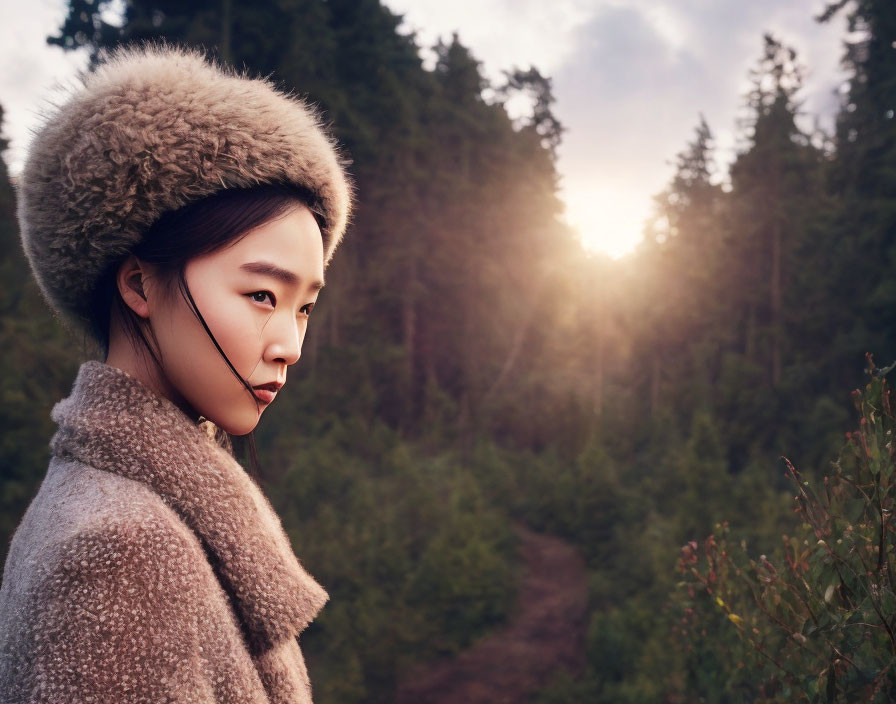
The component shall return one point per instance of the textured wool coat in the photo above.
(149, 567)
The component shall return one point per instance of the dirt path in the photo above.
(545, 634)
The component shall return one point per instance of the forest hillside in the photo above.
(470, 366)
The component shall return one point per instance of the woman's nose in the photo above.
(285, 343)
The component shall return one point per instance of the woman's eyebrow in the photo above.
(274, 271)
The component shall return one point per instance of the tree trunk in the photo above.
(776, 304)
(409, 336)
(597, 379)
(516, 344)
(334, 319)
(655, 384)
(430, 382)
(311, 348)
(750, 341)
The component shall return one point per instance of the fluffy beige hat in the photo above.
(153, 128)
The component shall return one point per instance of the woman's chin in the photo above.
(242, 425)
(241, 429)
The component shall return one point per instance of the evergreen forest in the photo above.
(706, 422)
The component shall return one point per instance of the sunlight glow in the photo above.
(609, 221)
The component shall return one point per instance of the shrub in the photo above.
(815, 622)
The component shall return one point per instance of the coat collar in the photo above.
(115, 423)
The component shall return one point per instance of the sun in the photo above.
(607, 220)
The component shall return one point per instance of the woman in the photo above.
(183, 216)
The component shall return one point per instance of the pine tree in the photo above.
(862, 233)
(773, 182)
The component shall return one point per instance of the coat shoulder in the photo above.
(77, 502)
(101, 601)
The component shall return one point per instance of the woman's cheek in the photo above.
(230, 325)
(242, 335)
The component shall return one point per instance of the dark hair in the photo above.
(201, 227)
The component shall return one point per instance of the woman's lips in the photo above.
(267, 392)
(265, 395)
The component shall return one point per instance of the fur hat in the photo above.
(154, 128)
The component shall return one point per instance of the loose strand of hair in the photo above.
(253, 456)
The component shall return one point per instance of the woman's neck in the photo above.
(124, 354)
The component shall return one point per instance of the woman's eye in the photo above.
(260, 296)
(306, 309)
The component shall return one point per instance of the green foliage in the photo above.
(416, 562)
(818, 615)
(37, 364)
(468, 364)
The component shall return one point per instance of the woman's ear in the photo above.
(130, 280)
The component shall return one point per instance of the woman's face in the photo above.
(255, 296)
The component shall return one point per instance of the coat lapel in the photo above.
(113, 422)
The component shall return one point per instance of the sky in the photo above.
(630, 78)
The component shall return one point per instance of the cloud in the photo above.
(625, 92)
(501, 33)
(32, 72)
(641, 72)
(629, 95)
